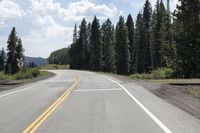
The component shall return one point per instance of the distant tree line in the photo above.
(60, 56)
(12, 61)
(158, 39)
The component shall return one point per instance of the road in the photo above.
(87, 102)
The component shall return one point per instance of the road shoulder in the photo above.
(14, 84)
(173, 117)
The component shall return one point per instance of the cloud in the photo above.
(75, 10)
(9, 9)
(47, 38)
(45, 20)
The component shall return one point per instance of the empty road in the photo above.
(87, 102)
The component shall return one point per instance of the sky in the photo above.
(47, 25)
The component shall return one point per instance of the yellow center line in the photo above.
(32, 127)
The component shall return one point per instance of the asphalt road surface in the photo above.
(87, 102)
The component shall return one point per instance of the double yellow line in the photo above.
(32, 127)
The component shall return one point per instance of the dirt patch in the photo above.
(180, 96)
(13, 84)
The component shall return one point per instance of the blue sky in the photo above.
(47, 25)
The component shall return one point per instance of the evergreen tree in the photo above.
(72, 49)
(130, 26)
(122, 47)
(170, 38)
(108, 46)
(2, 59)
(88, 44)
(82, 45)
(147, 14)
(155, 46)
(165, 47)
(160, 45)
(75, 35)
(96, 46)
(11, 66)
(139, 42)
(19, 55)
(188, 37)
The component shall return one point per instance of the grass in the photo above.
(54, 66)
(27, 73)
(194, 92)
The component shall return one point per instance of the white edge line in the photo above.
(165, 128)
(88, 90)
(40, 82)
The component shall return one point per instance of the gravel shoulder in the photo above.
(176, 95)
(8, 85)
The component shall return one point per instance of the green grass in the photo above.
(27, 73)
(194, 92)
(54, 66)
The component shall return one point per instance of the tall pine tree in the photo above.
(2, 59)
(160, 44)
(155, 46)
(122, 48)
(147, 14)
(96, 46)
(88, 44)
(139, 42)
(130, 26)
(72, 49)
(82, 45)
(108, 46)
(170, 38)
(11, 66)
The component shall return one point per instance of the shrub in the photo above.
(4, 76)
(27, 74)
(161, 73)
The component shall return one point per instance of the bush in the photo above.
(161, 73)
(27, 74)
(3, 76)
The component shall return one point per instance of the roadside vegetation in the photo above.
(60, 57)
(54, 66)
(27, 73)
(161, 73)
(12, 62)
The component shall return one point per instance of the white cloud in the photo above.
(45, 20)
(46, 39)
(86, 8)
(9, 9)
(75, 10)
